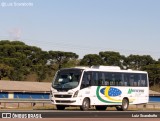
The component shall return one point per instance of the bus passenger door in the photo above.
(86, 85)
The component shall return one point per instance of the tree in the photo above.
(5, 70)
(23, 58)
(112, 58)
(7, 42)
(91, 59)
(71, 63)
(61, 58)
(138, 61)
(154, 73)
(19, 61)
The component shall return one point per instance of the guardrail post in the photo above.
(18, 104)
(4, 105)
(33, 104)
(144, 107)
(154, 106)
(43, 104)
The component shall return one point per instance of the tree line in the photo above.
(19, 61)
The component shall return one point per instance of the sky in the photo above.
(84, 26)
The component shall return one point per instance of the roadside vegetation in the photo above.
(22, 62)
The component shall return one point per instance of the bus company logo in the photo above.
(130, 91)
(108, 92)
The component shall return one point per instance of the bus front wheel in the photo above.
(60, 107)
(85, 104)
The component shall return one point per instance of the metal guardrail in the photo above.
(150, 105)
(18, 101)
(47, 101)
(24, 100)
(154, 104)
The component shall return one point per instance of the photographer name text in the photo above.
(144, 116)
(16, 4)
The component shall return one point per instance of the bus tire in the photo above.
(85, 104)
(60, 107)
(101, 107)
(124, 106)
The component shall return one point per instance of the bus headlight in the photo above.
(51, 93)
(76, 94)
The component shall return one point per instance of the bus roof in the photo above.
(109, 69)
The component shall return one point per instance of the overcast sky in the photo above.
(84, 26)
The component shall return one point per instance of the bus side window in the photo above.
(113, 80)
(101, 79)
(86, 81)
(143, 80)
(143, 83)
(134, 84)
(95, 79)
(122, 81)
(126, 79)
(131, 79)
(136, 78)
(118, 79)
(131, 82)
(107, 80)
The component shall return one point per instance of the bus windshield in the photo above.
(67, 79)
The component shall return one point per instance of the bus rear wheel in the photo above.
(85, 105)
(124, 106)
(101, 107)
(60, 107)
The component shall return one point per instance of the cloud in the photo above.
(15, 33)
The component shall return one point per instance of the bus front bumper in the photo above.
(66, 101)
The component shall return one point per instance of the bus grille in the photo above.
(63, 96)
(64, 101)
